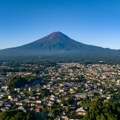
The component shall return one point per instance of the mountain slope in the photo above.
(54, 42)
(59, 45)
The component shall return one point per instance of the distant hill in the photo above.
(58, 46)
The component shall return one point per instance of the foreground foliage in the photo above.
(103, 111)
(16, 115)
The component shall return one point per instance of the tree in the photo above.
(16, 115)
(17, 82)
(103, 111)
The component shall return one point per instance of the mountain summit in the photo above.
(55, 41)
(56, 35)
(61, 47)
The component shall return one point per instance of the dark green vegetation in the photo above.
(17, 82)
(103, 111)
(16, 115)
(61, 48)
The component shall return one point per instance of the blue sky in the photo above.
(95, 22)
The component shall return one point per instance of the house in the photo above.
(21, 108)
(81, 111)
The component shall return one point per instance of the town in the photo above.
(57, 91)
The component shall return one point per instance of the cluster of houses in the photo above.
(62, 96)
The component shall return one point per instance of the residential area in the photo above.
(58, 91)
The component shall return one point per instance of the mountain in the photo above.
(58, 46)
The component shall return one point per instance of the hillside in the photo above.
(58, 46)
